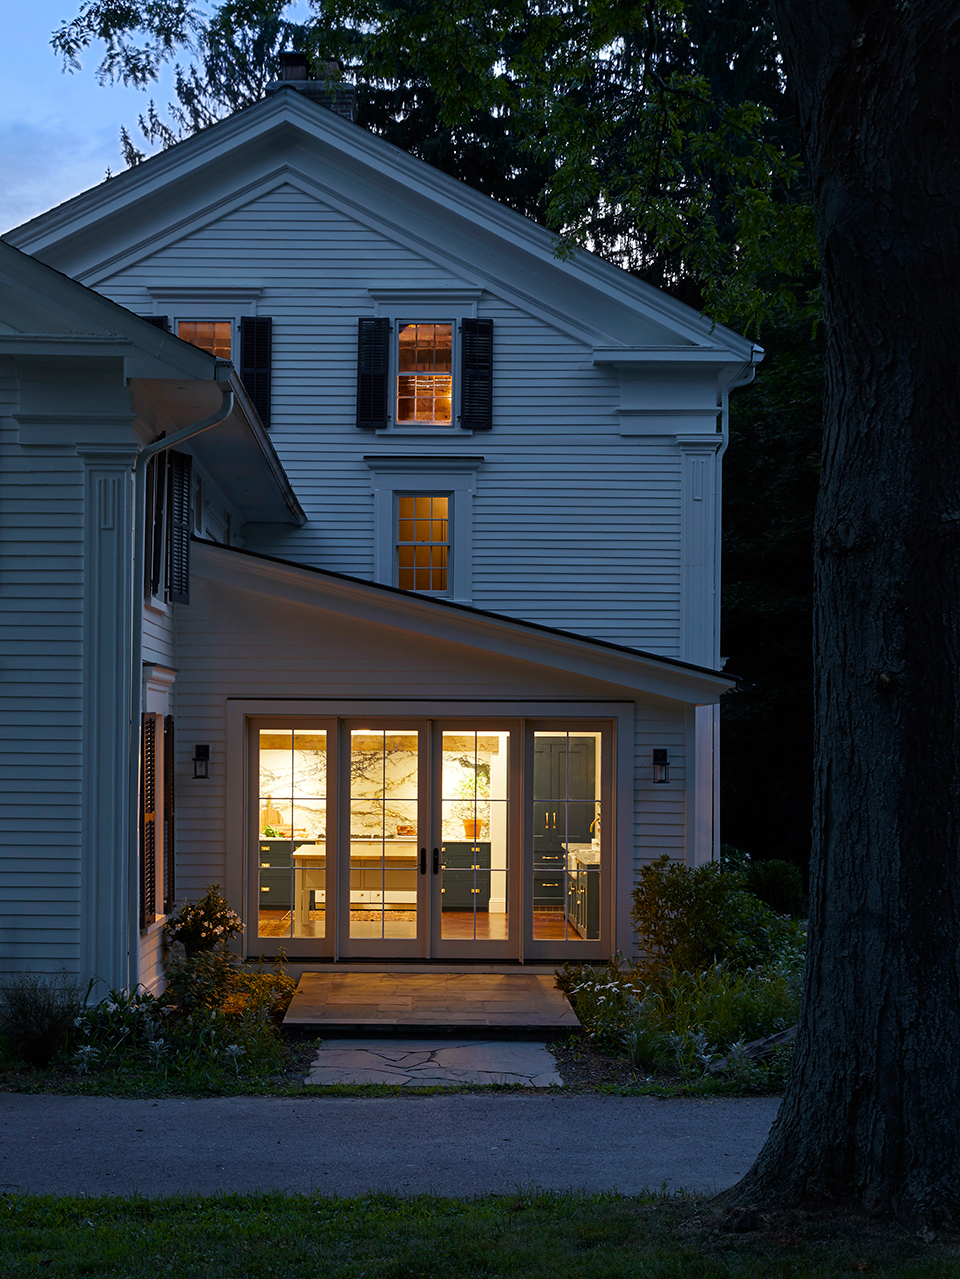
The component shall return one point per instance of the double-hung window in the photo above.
(424, 374)
(423, 542)
(423, 371)
(224, 321)
(423, 525)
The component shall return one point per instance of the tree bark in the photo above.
(871, 1116)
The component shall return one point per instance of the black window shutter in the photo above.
(476, 375)
(158, 321)
(373, 363)
(256, 352)
(178, 558)
(157, 498)
(148, 820)
(169, 809)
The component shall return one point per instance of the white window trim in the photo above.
(452, 477)
(207, 304)
(428, 306)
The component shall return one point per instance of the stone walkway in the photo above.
(430, 1002)
(429, 1062)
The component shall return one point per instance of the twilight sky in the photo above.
(59, 132)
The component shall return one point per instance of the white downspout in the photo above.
(224, 371)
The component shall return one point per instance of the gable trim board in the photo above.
(383, 177)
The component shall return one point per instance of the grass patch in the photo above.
(521, 1235)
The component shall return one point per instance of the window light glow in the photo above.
(423, 543)
(425, 380)
(209, 335)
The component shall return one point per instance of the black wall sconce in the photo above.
(201, 761)
(661, 768)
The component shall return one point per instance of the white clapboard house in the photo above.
(356, 553)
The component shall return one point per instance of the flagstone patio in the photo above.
(438, 1062)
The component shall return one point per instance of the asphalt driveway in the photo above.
(454, 1144)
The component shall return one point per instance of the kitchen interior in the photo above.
(473, 870)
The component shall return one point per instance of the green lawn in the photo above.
(522, 1234)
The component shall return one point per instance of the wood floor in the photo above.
(456, 925)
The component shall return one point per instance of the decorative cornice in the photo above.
(215, 293)
(410, 463)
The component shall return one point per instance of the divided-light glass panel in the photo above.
(292, 842)
(566, 836)
(424, 374)
(423, 542)
(215, 336)
(384, 769)
(474, 827)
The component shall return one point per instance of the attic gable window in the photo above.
(425, 374)
(214, 336)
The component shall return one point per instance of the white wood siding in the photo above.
(225, 633)
(41, 650)
(575, 526)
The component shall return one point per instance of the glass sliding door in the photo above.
(475, 868)
(484, 838)
(566, 837)
(384, 789)
(292, 833)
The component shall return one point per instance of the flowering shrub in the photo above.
(679, 1022)
(202, 925)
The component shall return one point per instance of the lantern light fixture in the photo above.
(201, 761)
(661, 766)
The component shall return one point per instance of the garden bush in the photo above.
(37, 1014)
(678, 1022)
(777, 884)
(689, 919)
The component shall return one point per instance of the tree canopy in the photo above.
(657, 135)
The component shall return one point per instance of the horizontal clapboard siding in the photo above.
(574, 525)
(357, 660)
(41, 652)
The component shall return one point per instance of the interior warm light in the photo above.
(425, 374)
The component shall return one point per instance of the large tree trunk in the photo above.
(872, 1111)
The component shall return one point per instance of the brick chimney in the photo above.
(320, 82)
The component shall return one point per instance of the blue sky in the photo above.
(59, 132)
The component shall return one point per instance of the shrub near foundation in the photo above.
(689, 919)
(718, 969)
(37, 1014)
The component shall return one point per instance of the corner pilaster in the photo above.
(108, 863)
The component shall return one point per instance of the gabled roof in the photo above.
(441, 619)
(46, 317)
(289, 139)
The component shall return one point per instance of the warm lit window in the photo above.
(424, 374)
(423, 543)
(214, 336)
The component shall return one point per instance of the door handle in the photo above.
(436, 861)
(423, 861)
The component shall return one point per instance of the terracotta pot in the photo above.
(473, 829)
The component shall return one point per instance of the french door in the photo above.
(399, 839)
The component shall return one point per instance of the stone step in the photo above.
(430, 1002)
